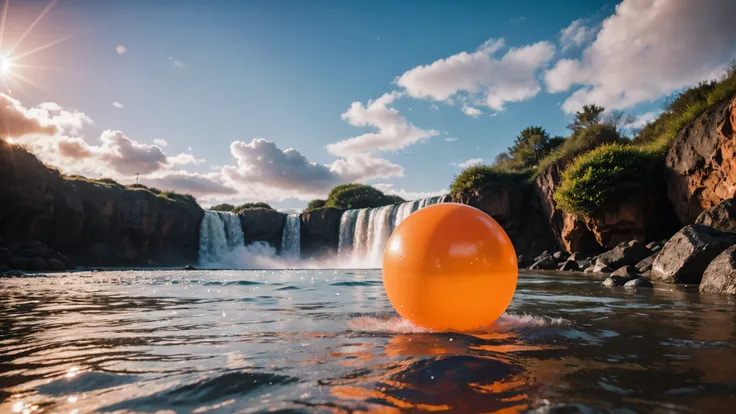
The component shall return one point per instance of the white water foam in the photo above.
(506, 323)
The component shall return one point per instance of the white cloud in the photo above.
(176, 63)
(408, 195)
(648, 49)
(451, 139)
(117, 104)
(199, 185)
(161, 142)
(394, 131)
(468, 163)
(265, 171)
(470, 111)
(576, 34)
(509, 78)
(643, 119)
(120, 49)
(434, 107)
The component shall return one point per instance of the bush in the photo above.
(607, 174)
(480, 176)
(223, 207)
(249, 206)
(350, 196)
(315, 204)
(580, 141)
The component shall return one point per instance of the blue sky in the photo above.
(201, 75)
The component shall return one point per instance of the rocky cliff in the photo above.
(517, 210)
(262, 224)
(320, 232)
(701, 164)
(93, 223)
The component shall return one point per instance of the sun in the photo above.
(5, 66)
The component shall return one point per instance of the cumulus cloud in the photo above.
(468, 163)
(576, 34)
(16, 120)
(648, 49)
(161, 142)
(117, 104)
(265, 170)
(496, 80)
(408, 195)
(394, 131)
(643, 119)
(191, 183)
(451, 139)
(470, 111)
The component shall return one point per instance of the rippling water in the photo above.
(328, 341)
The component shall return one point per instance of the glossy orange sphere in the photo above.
(450, 266)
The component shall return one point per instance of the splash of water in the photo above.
(506, 323)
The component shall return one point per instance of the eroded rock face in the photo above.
(518, 211)
(701, 164)
(721, 217)
(688, 253)
(320, 232)
(263, 224)
(90, 223)
(570, 231)
(720, 275)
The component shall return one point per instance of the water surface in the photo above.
(328, 341)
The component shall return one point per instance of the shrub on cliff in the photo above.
(315, 204)
(582, 140)
(480, 176)
(607, 174)
(349, 196)
(222, 207)
(249, 206)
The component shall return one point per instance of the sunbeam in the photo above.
(28, 30)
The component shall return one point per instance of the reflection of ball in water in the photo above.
(450, 267)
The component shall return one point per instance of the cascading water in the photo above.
(364, 232)
(290, 239)
(219, 234)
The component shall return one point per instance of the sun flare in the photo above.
(5, 66)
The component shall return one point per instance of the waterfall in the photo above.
(364, 232)
(219, 234)
(290, 239)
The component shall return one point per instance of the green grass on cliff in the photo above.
(349, 196)
(482, 176)
(250, 206)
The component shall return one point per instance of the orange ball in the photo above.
(450, 266)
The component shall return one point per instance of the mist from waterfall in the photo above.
(364, 232)
(291, 238)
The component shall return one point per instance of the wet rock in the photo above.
(569, 266)
(320, 232)
(56, 265)
(689, 252)
(262, 224)
(598, 268)
(560, 256)
(12, 273)
(542, 256)
(639, 282)
(583, 264)
(37, 264)
(720, 275)
(18, 263)
(721, 217)
(612, 281)
(189, 267)
(700, 171)
(545, 263)
(626, 253)
(627, 271)
(646, 264)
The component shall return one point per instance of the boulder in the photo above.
(560, 256)
(639, 282)
(18, 263)
(646, 264)
(577, 256)
(37, 264)
(189, 267)
(626, 253)
(612, 281)
(545, 263)
(721, 217)
(627, 271)
(598, 268)
(569, 266)
(720, 275)
(56, 264)
(583, 264)
(689, 252)
(701, 163)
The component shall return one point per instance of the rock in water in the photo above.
(570, 266)
(720, 275)
(189, 267)
(689, 252)
(523, 261)
(721, 217)
(646, 264)
(627, 271)
(639, 282)
(613, 281)
(544, 263)
(577, 256)
(626, 253)
(56, 265)
(37, 264)
(559, 256)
